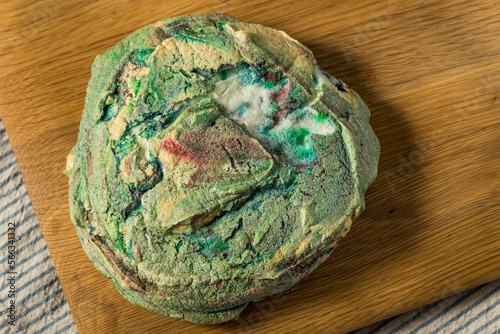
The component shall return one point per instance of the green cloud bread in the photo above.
(216, 165)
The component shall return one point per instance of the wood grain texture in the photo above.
(430, 74)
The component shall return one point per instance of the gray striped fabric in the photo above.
(31, 297)
(40, 305)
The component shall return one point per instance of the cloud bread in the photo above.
(216, 164)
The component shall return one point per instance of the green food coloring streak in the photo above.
(301, 136)
(141, 55)
(321, 117)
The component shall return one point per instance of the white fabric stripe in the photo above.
(70, 328)
(6, 168)
(40, 304)
(8, 181)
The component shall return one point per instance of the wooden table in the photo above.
(430, 73)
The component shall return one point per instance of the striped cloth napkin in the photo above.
(32, 298)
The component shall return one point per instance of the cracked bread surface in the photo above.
(216, 164)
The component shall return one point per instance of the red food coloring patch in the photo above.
(281, 97)
(158, 36)
(269, 77)
(88, 163)
(164, 294)
(174, 148)
(209, 155)
(157, 24)
(220, 284)
(279, 115)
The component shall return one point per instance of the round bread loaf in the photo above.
(216, 165)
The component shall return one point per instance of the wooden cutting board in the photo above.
(429, 72)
